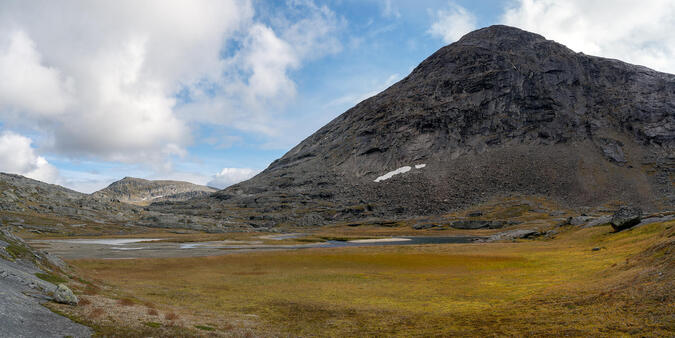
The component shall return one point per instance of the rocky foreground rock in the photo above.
(22, 294)
(501, 112)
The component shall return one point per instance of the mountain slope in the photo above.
(41, 207)
(500, 112)
(26, 201)
(143, 192)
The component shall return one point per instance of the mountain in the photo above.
(143, 192)
(47, 207)
(43, 207)
(501, 112)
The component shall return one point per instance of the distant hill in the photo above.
(24, 200)
(501, 112)
(143, 192)
(44, 207)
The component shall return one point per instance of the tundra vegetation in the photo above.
(584, 281)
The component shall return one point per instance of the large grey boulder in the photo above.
(626, 217)
(64, 295)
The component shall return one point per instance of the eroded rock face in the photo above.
(626, 217)
(500, 112)
(64, 295)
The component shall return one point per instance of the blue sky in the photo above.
(213, 91)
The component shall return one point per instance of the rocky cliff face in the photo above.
(500, 112)
(143, 192)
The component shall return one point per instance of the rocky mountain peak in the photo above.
(501, 36)
(501, 112)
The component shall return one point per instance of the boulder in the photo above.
(64, 295)
(626, 217)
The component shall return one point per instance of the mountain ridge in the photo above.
(500, 112)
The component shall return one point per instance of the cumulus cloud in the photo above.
(257, 83)
(452, 23)
(99, 78)
(230, 176)
(639, 32)
(27, 85)
(18, 157)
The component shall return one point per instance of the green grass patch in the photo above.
(17, 251)
(153, 324)
(47, 277)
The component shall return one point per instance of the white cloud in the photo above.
(390, 10)
(452, 24)
(98, 78)
(18, 157)
(257, 83)
(230, 176)
(27, 85)
(268, 59)
(639, 32)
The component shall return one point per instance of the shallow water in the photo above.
(405, 240)
(131, 247)
(107, 241)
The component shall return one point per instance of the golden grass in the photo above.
(557, 287)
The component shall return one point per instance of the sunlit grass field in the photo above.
(559, 286)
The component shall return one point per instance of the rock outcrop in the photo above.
(23, 293)
(500, 112)
(512, 235)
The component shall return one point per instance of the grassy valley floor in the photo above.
(584, 282)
